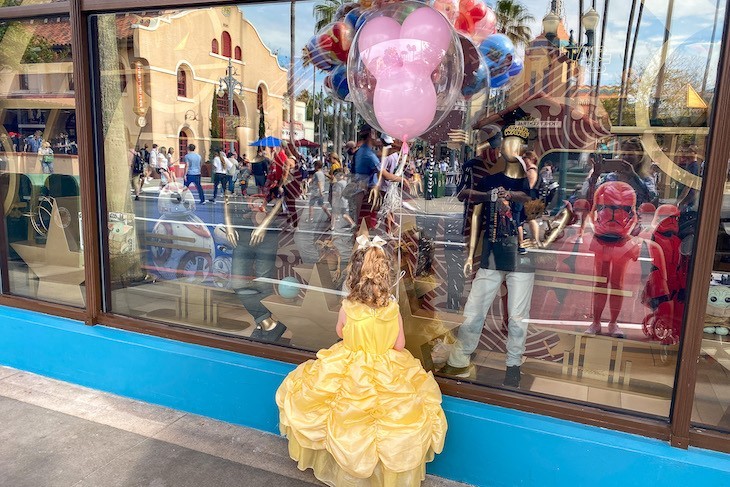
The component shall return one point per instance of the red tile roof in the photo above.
(57, 30)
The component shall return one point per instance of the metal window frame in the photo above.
(678, 429)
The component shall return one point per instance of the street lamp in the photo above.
(573, 53)
(231, 85)
(590, 22)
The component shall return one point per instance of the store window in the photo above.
(712, 391)
(555, 261)
(39, 167)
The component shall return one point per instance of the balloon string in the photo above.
(401, 166)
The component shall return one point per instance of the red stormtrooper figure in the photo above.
(666, 299)
(602, 268)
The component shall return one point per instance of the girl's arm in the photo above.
(400, 342)
(341, 322)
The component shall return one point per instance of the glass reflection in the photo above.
(39, 170)
(541, 229)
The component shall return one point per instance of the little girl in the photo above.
(365, 413)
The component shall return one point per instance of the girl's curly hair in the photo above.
(370, 277)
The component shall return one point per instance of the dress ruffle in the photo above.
(327, 470)
(377, 416)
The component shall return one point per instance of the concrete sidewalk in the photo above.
(57, 434)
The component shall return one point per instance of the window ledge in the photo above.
(185, 99)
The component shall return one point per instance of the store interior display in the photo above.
(487, 127)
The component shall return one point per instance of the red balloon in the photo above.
(336, 39)
(476, 9)
(470, 12)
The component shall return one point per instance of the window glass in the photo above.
(39, 167)
(17, 3)
(578, 290)
(611, 130)
(712, 391)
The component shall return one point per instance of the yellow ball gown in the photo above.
(363, 414)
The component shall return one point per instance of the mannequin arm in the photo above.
(473, 239)
(231, 233)
(257, 236)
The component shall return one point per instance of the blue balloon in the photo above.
(479, 80)
(516, 68)
(499, 81)
(339, 82)
(360, 20)
(319, 58)
(289, 288)
(353, 17)
(499, 52)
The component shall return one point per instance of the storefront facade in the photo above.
(149, 298)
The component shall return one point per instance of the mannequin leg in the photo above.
(519, 298)
(600, 274)
(483, 291)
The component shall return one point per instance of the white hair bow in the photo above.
(363, 242)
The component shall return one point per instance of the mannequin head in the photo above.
(614, 210)
(666, 219)
(489, 140)
(514, 144)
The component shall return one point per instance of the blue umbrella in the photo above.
(266, 142)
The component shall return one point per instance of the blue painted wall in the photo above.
(486, 445)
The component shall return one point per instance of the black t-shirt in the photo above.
(500, 220)
(260, 168)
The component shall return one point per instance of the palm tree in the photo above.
(513, 20)
(324, 12)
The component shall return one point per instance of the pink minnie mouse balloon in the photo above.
(431, 36)
(405, 89)
(404, 79)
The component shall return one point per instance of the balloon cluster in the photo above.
(405, 68)
(420, 54)
(328, 49)
(489, 57)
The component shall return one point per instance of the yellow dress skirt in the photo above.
(363, 414)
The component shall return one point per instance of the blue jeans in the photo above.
(229, 183)
(484, 289)
(250, 262)
(219, 178)
(195, 179)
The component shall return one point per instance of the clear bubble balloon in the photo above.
(448, 8)
(475, 19)
(476, 72)
(405, 69)
(345, 9)
(335, 40)
(499, 52)
(516, 68)
(339, 82)
(500, 81)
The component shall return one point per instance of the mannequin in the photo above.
(609, 255)
(664, 323)
(254, 250)
(495, 197)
